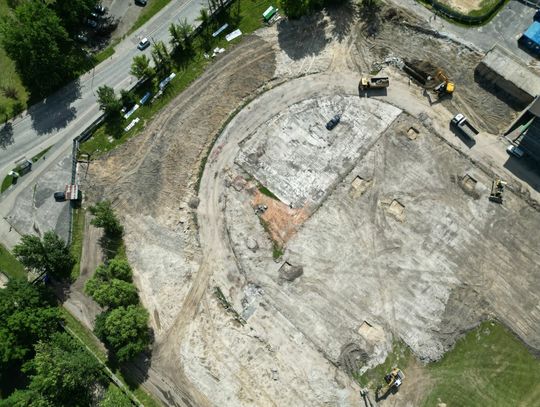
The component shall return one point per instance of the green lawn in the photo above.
(489, 366)
(9, 265)
(77, 240)
(105, 138)
(10, 79)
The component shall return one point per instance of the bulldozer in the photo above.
(446, 87)
(392, 381)
(497, 189)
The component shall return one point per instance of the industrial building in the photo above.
(509, 74)
(530, 40)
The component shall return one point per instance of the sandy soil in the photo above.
(270, 346)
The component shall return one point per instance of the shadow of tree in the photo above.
(55, 112)
(303, 37)
(6, 135)
(370, 14)
(342, 17)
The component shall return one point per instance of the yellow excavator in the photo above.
(446, 87)
(392, 381)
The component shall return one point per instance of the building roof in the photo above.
(513, 69)
(533, 32)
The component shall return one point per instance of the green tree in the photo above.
(294, 8)
(119, 268)
(140, 67)
(124, 330)
(27, 314)
(49, 255)
(108, 101)
(63, 372)
(162, 58)
(105, 218)
(44, 54)
(128, 98)
(115, 293)
(72, 13)
(114, 397)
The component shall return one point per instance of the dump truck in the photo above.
(374, 83)
(392, 381)
(464, 125)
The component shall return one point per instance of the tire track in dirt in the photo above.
(155, 171)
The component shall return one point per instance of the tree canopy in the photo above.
(49, 255)
(113, 293)
(105, 218)
(27, 314)
(108, 101)
(140, 67)
(124, 330)
(44, 54)
(114, 397)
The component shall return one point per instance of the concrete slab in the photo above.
(299, 160)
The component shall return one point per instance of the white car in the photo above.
(143, 44)
(515, 151)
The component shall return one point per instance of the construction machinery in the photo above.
(374, 83)
(393, 381)
(445, 87)
(497, 190)
(465, 126)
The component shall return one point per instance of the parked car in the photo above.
(334, 121)
(141, 3)
(59, 196)
(143, 44)
(515, 151)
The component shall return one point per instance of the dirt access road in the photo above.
(202, 357)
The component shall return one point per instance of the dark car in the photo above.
(59, 196)
(140, 2)
(334, 121)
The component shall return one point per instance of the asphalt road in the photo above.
(64, 114)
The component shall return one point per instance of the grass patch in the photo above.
(10, 78)
(106, 53)
(265, 191)
(490, 367)
(149, 11)
(38, 156)
(6, 183)
(244, 14)
(400, 357)
(77, 240)
(10, 266)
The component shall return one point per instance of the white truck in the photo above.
(465, 126)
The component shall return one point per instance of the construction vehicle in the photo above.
(374, 83)
(464, 125)
(497, 189)
(446, 87)
(393, 381)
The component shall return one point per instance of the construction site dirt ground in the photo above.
(399, 239)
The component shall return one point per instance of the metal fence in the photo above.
(447, 12)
